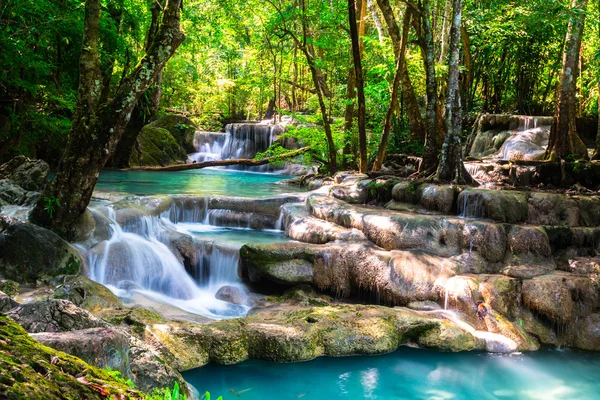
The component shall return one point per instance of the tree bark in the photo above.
(362, 132)
(222, 163)
(97, 129)
(451, 167)
(564, 140)
(400, 65)
(376, 21)
(147, 105)
(415, 120)
(430, 154)
(596, 155)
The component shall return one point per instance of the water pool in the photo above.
(237, 236)
(199, 182)
(409, 374)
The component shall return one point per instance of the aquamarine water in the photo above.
(239, 236)
(409, 374)
(198, 182)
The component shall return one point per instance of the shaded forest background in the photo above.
(244, 60)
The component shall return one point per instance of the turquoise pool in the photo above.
(199, 182)
(409, 374)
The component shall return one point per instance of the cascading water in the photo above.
(528, 141)
(470, 205)
(238, 141)
(137, 258)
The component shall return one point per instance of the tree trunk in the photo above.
(400, 65)
(376, 21)
(415, 121)
(451, 167)
(147, 106)
(97, 129)
(445, 31)
(221, 163)
(596, 155)
(564, 140)
(430, 154)
(362, 132)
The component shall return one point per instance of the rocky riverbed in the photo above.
(373, 264)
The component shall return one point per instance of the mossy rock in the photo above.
(29, 252)
(227, 341)
(31, 370)
(87, 294)
(180, 127)
(448, 337)
(156, 147)
(8, 287)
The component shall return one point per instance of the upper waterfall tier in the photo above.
(239, 141)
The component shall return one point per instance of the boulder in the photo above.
(438, 198)
(87, 294)
(31, 175)
(11, 193)
(180, 127)
(31, 370)
(100, 347)
(498, 205)
(586, 333)
(157, 146)
(6, 303)
(54, 316)
(28, 252)
(233, 295)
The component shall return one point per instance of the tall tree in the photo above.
(564, 140)
(148, 103)
(431, 151)
(400, 66)
(358, 72)
(415, 120)
(97, 128)
(451, 167)
(596, 155)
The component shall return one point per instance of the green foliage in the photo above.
(50, 205)
(116, 375)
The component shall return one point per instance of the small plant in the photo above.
(412, 189)
(51, 204)
(182, 128)
(116, 375)
(576, 167)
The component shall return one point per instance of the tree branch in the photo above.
(221, 163)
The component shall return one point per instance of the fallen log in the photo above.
(222, 163)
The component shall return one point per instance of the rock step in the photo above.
(507, 206)
(487, 246)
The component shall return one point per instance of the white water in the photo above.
(238, 141)
(135, 259)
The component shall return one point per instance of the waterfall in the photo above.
(238, 141)
(470, 205)
(137, 258)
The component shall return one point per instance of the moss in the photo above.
(447, 337)
(87, 294)
(30, 370)
(9, 288)
(157, 147)
(228, 341)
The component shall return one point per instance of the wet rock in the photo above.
(586, 333)
(424, 306)
(54, 316)
(528, 271)
(28, 252)
(6, 303)
(498, 205)
(529, 252)
(87, 294)
(129, 210)
(503, 294)
(31, 175)
(11, 193)
(83, 227)
(227, 342)
(448, 337)
(233, 295)
(549, 297)
(185, 342)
